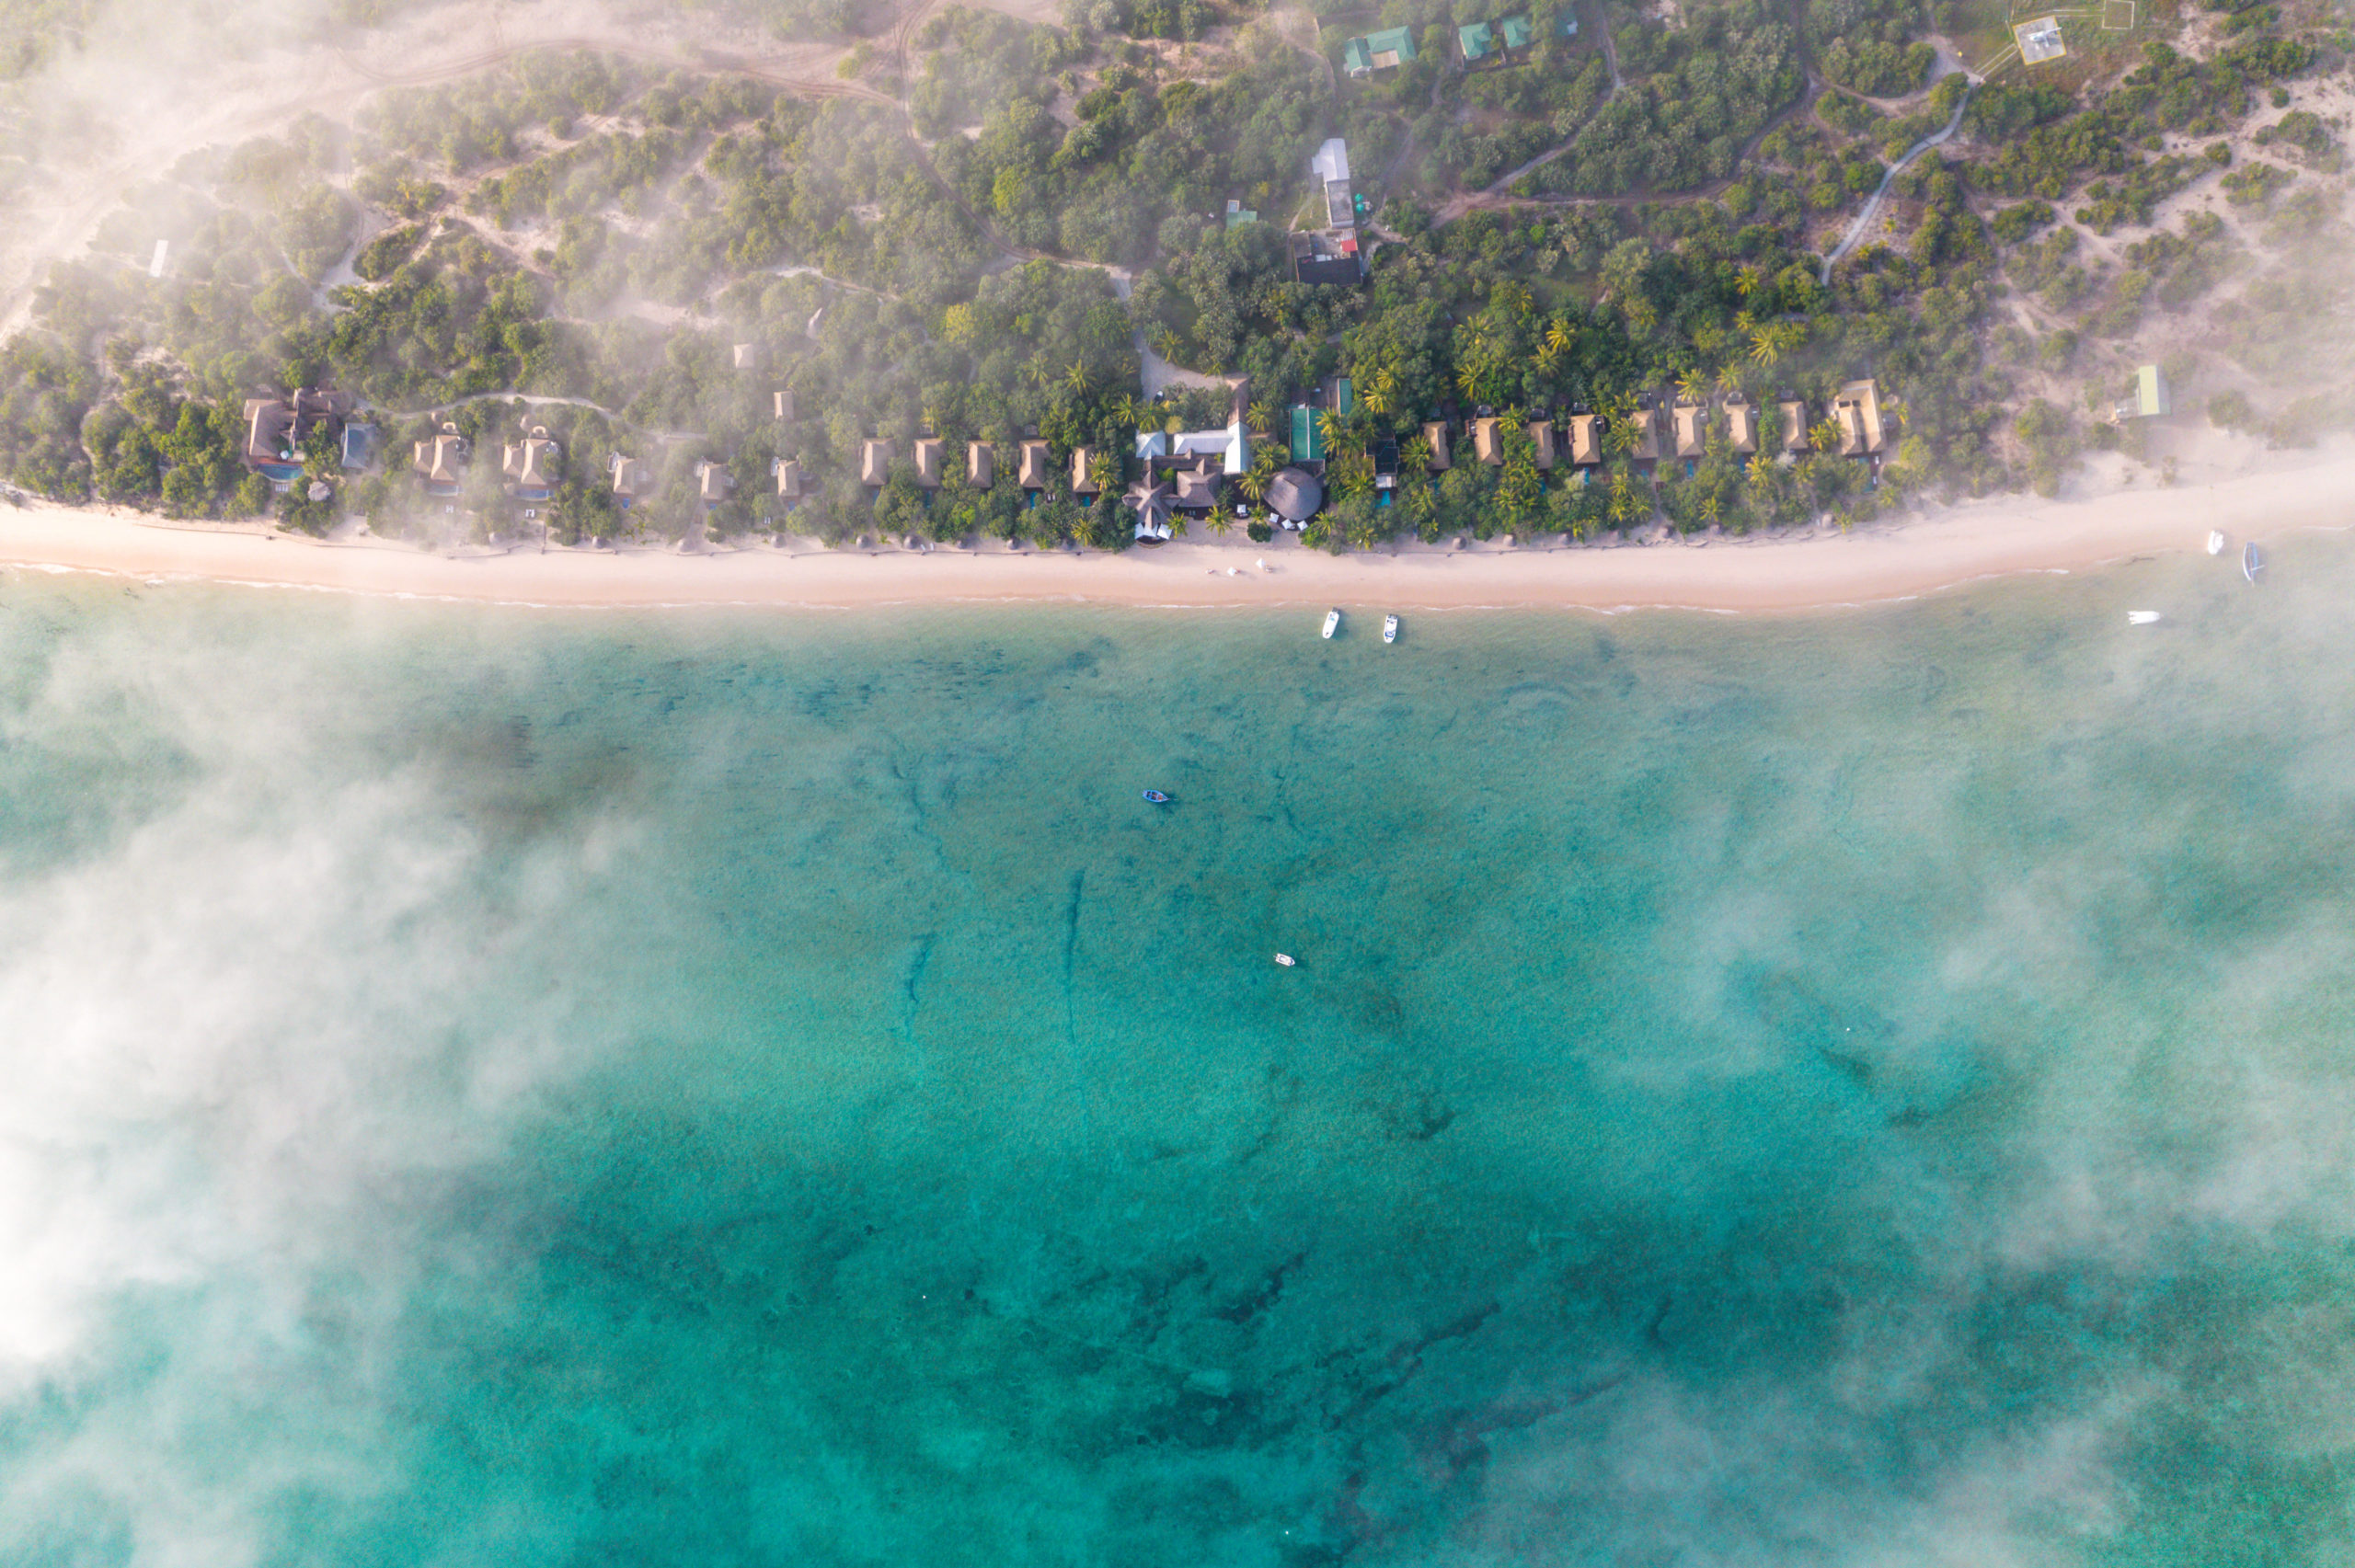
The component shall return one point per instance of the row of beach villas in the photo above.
(1182, 471)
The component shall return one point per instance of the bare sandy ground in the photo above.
(1965, 544)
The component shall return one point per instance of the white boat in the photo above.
(1390, 628)
(2141, 617)
(1332, 621)
(2216, 542)
(1286, 959)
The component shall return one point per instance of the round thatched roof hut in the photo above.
(1294, 495)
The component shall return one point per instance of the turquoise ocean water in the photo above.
(489, 1086)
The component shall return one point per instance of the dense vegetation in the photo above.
(583, 242)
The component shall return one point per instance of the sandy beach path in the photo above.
(1961, 544)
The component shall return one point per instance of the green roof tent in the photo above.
(1384, 51)
(1307, 439)
(2151, 398)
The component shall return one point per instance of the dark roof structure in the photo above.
(1294, 495)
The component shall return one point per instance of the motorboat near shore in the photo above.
(1156, 796)
(2138, 618)
(1332, 624)
(2252, 564)
(1390, 628)
(1286, 959)
(2215, 541)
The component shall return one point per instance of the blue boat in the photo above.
(1156, 797)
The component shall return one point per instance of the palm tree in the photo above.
(1253, 481)
(1746, 282)
(1469, 378)
(1729, 378)
(1694, 388)
(1040, 376)
(1376, 399)
(1559, 336)
(1709, 510)
(1329, 425)
(1077, 378)
(1765, 345)
(1825, 436)
(1260, 416)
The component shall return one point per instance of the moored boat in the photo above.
(2251, 562)
(2141, 617)
(2215, 541)
(1390, 628)
(1156, 797)
(1332, 622)
(1286, 959)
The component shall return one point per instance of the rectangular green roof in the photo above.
(1478, 41)
(1516, 31)
(1307, 439)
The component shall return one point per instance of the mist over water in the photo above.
(482, 1086)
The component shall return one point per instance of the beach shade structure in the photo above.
(1294, 495)
(1151, 500)
(1742, 424)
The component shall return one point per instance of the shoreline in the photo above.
(2004, 536)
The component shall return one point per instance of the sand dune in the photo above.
(1961, 545)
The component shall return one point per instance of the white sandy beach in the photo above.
(1888, 561)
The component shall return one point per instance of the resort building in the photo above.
(714, 484)
(1226, 451)
(359, 445)
(442, 462)
(631, 479)
(2151, 399)
(1151, 500)
(1742, 424)
(1586, 439)
(1324, 258)
(1689, 421)
(530, 466)
(1293, 496)
(1030, 470)
(1435, 438)
(1086, 472)
(782, 403)
(1486, 445)
(931, 456)
(1386, 464)
(1794, 431)
(788, 480)
(1856, 410)
(1385, 50)
(1330, 168)
(874, 462)
(276, 429)
(981, 465)
(1541, 433)
(1494, 41)
(747, 356)
(1646, 418)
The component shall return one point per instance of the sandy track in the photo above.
(2009, 536)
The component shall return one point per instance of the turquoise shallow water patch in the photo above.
(492, 1087)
